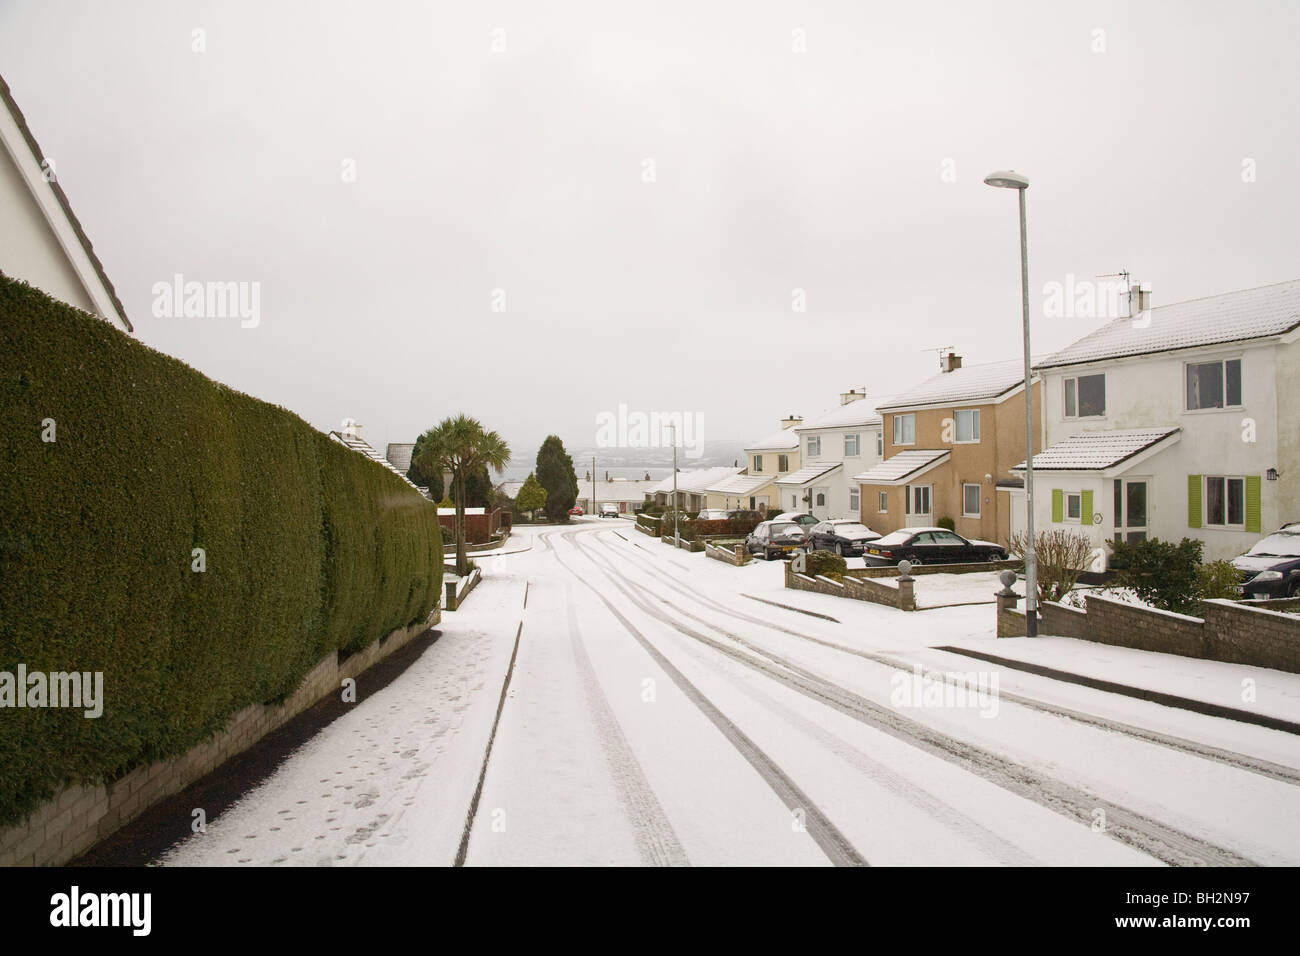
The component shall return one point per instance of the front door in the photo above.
(1131, 509)
(821, 502)
(918, 505)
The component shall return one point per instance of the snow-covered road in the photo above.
(658, 715)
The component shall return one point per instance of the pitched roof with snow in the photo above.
(740, 484)
(696, 481)
(1231, 317)
(902, 466)
(1095, 451)
(363, 447)
(969, 384)
(860, 412)
(784, 440)
(808, 473)
(24, 133)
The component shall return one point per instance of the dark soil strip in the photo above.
(1155, 696)
(487, 754)
(167, 822)
(790, 607)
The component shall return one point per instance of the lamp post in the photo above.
(1010, 179)
(677, 541)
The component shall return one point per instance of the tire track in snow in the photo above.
(832, 842)
(1265, 768)
(655, 839)
(1150, 836)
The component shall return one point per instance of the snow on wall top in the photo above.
(1230, 317)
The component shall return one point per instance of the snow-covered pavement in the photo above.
(659, 715)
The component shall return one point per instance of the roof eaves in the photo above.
(61, 196)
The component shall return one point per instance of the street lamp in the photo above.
(1010, 179)
(677, 541)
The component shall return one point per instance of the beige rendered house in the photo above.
(949, 444)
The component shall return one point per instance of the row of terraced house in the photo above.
(1172, 423)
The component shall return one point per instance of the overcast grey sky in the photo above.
(524, 169)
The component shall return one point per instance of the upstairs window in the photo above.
(1214, 384)
(1085, 396)
(814, 446)
(880, 444)
(904, 429)
(968, 425)
(782, 462)
(758, 463)
(851, 445)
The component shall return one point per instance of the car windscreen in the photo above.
(785, 527)
(1282, 544)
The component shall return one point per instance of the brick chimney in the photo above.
(950, 361)
(853, 395)
(351, 428)
(791, 420)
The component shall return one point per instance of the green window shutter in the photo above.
(1193, 501)
(1058, 505)
(1085, 507)
(1252, 504)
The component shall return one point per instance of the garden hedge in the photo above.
(309, 547)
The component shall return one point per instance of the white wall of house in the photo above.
(839, 485)
(1149, 391)
(29, 248)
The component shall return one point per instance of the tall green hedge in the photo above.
(310, 548)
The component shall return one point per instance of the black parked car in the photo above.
(930, 546)
(844, 536)
(1272, 567)
(776, 539)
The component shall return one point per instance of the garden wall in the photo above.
(1226, 631)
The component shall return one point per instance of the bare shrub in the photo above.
(1062, 557)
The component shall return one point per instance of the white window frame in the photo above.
(899, 430)
(758, 463)
(974, 414)
(910, 498)
(1205, 502)
(814, 446)
(1065, 508)
(1065, 395)
(979, 494)
(1223, 379)
(782, 462)
(883, 502)
(880, 443)
(855, 500)
(857, 445)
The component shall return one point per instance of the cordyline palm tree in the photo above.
(461, 446)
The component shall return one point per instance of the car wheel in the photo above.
(914, 562)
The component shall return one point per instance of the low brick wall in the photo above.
(1226, 631)
(855, 586)
(727, 554)
(78, 817)
(478, 528)
(683, 543)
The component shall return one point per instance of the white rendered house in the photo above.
(1177, 423)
